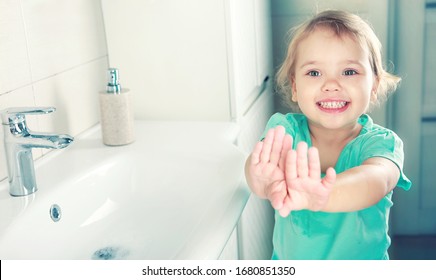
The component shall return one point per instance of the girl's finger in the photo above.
(255, 155)
(279, 134)
(329, 178)
(302, 163)
(314, 163)
(291, 166)
(267, 146)
(287, 146)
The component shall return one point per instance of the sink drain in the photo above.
(110, 253)
(55, 212)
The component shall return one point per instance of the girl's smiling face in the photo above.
(333, 82)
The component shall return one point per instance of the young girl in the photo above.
(329, 171)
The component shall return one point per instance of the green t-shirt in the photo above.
(347, 235)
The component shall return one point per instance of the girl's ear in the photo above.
(374, 90)
(294, 91)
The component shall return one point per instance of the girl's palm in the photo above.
(306, 189)
(268, 163)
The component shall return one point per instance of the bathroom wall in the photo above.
(52, 53)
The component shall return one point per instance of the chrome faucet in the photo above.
(19, 141)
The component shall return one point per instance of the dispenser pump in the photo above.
(113, 85)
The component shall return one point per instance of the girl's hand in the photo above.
(306, 189)
(265, 168)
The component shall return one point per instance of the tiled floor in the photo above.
(420, 247)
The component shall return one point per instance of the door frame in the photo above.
(409, 217)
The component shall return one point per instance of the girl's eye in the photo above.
(350, 72)
(314, 73)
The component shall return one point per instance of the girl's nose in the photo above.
(331, 85)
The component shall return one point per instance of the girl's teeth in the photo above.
(332, 104)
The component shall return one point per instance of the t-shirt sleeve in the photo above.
(388, 145)
(287, 121)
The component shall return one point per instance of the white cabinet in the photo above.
(230, 251)
(250, 37)
(242, 52)
(252, 107)
(262, 14)
(256, 224)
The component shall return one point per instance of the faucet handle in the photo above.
(16, 114)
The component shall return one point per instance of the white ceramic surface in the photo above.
(175, 193)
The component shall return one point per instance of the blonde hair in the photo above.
(341, 23)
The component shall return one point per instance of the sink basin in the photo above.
(176, 193)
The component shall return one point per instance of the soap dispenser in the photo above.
(117, 123)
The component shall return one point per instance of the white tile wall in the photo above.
(74, 93)
(52, 53)
(62, 34)
(176, 65)
(14, 66)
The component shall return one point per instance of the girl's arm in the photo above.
(363, 186)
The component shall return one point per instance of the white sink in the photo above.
(175, 193)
